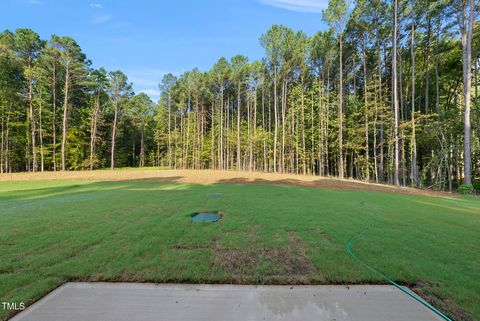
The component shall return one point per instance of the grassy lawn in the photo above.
(57, 231)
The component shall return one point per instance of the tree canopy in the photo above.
(388, 93)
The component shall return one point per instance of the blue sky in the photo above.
(147, 38)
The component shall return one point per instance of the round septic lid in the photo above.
(214, 195)
(206, 217)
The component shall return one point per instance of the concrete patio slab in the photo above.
(180, 302)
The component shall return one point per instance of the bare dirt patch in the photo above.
(289, 261)
(224, 177)
(281, 262)
(424, 290)
(180, 246)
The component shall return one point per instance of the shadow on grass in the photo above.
(35, 193)
(334, 184)
(170, 179)
(319, 183)
(65, 189)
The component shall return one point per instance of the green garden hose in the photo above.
(348, 248)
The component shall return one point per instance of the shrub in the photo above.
(476, 186)
(466, 189)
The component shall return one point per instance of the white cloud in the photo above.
(96, 5)
(298, 5)
(146, 80)
(101, 18)
(154, 94)
(143, 81)
(147, 77)
(151, 92)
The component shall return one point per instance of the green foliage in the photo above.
(286, 104)
(271, 42)
(336, 15)
(476, 186)
(466, 189)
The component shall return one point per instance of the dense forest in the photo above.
(389, 93)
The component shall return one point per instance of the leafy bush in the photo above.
(466, 189)
(476, 186)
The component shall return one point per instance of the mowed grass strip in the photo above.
(57, 231)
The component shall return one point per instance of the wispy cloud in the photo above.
(101, 18)
(151, 92)
(96, 5)
(146, 80)
(298, 5)
(35, 2)
(147, 77)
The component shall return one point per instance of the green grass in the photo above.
(57, 231)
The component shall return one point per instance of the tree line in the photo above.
(388, 93)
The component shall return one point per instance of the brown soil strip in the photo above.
(424, 290)
(222, 177)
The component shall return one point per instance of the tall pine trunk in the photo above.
(396, 180)
(275, 108)
(65, 115)
(212, 133)
(340, 113)
(238, 126)
(467, 31)
(414, 168)
(40, 136)
(365, 94)
(54, 112)
(169, 131)
(32, 124)
(304, 157)
(114, 132)
(93, 131)
(142, 145)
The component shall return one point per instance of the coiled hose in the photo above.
(348, 248)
